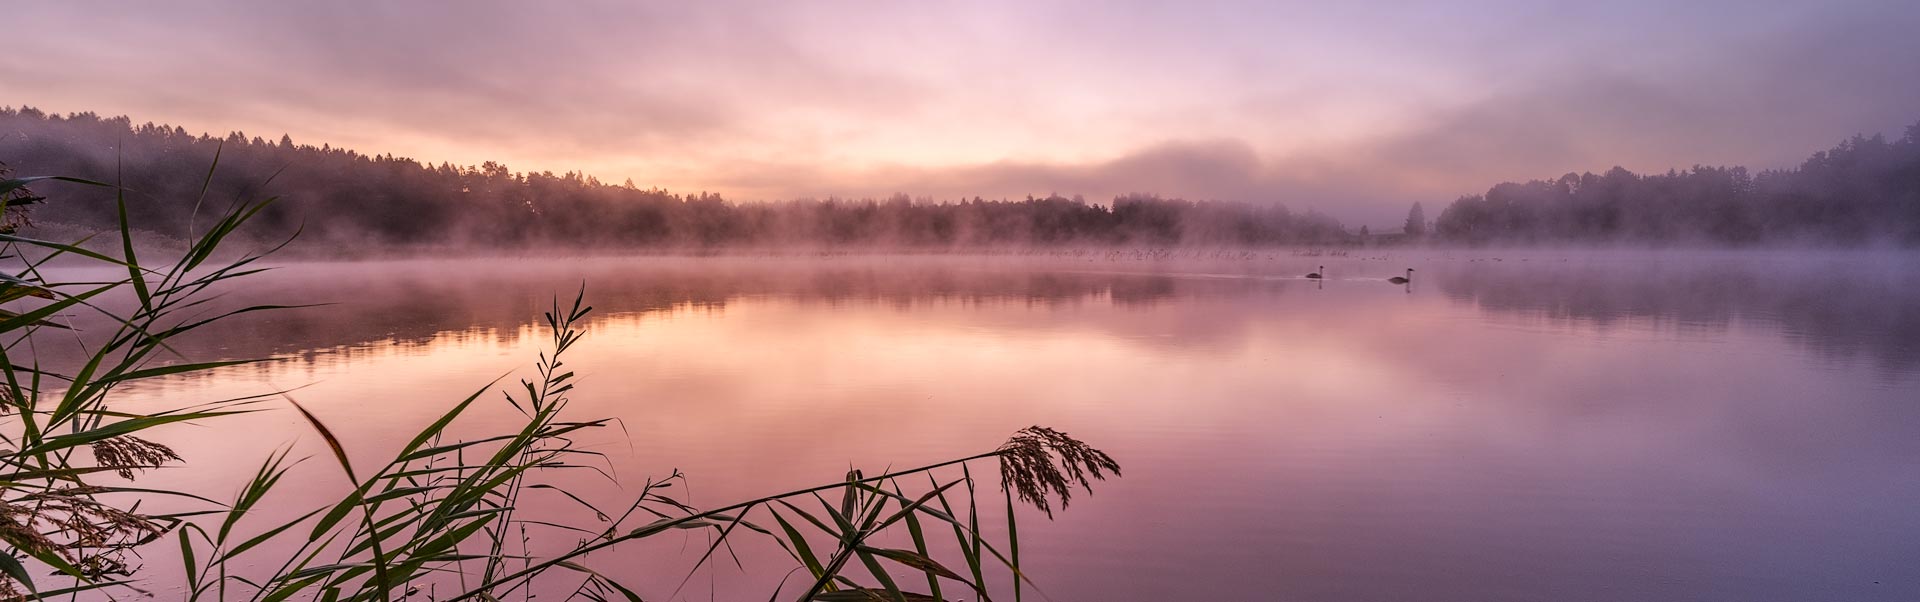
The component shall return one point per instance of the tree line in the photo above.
(1865, 189)
(344, 197)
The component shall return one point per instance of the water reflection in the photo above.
(1842, 308)
(1845, 307)
(1615, 428)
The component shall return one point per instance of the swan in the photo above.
(1316, 274)
(1401, 280)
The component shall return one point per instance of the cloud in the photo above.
(1767, 102)
(1357, 109)
(1221, 169)
(1766, 99)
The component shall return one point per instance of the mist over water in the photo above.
(1487, 301)
(1512, 425)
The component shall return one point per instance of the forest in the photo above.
(346, 198)
(1866, 190)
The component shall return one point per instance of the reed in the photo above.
(443, 517)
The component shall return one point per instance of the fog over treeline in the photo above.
(1867, 189)
(342, 195)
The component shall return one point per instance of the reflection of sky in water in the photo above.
(1634, 427)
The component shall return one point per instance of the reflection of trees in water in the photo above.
(417, 304)
(1839, 310)
(1142, 290)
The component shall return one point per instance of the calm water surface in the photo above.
(1547, 426)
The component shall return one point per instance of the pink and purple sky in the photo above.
(1352, 108)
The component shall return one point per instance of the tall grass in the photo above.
(444, 518)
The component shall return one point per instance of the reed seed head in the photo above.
(127, 452)
(1038, 462)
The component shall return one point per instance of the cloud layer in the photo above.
(1353, 110)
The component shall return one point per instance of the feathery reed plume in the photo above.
(127, 452)
(91, 537)
(15, 530)
(1028, 466)
(13, 205)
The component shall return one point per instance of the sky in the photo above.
(1356, 109)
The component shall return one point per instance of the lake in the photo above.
(1512, 425)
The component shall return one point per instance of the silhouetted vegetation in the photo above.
(342, 196)
(1865, 190)
(448, 517)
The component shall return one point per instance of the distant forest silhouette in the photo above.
(1867, 189)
